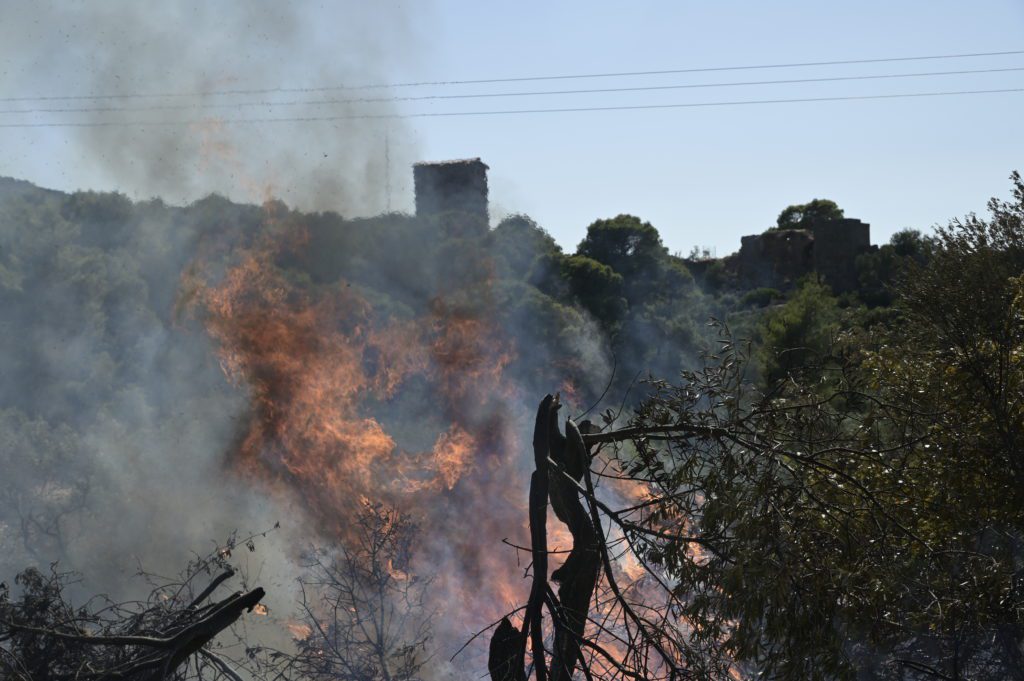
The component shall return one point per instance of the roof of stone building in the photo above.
(454, 162)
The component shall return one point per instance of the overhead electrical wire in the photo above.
(517, 79)
(486, 95)
(505, 112)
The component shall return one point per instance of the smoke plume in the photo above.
(214, 65)
(175, 374)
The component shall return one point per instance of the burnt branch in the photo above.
(560, 462)
(43, 637)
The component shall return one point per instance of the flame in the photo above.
(349, 404)
(631, 567)
(299, 630)
(217, 155)
(334, 420)
(568, 392)
(451, 454)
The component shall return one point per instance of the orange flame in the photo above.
(451, 454)
(299, 630)
(332, 422)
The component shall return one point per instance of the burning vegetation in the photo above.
(795, 506)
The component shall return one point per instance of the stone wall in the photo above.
(779, 258)
(775, 259)
(837, 243)
(451, 186)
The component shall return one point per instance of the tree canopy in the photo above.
(858, 512)
(803, 215)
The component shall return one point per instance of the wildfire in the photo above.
(299, 630)
(350, 404)
(451, 454)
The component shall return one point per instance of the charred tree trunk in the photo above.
(151, 644)
(560, 462)
(505, 658)
(577, 576)
(539, 484)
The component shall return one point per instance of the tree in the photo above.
(880, 270)
(803, 215)
(651, 315)
(518, 242)
(956, 355)
(624, 243)
(45, 486)
(872, 522)
(630, 247)
(597, 287)
(601, 620)
(364, 612)
(167, 635)
(799, 334)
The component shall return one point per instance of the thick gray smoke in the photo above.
(117, 424)
(181, 49)
(115, 418)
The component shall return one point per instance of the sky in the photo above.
(704, 176)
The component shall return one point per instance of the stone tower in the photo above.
(837, 243)
(444, 186)
(778, 258)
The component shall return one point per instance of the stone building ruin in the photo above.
(777, 258)
(780, 257)
(451, 186)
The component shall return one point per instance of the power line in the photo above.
(505, 112)
(364, 100)
(517, 79)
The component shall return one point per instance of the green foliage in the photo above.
(954, 358)
(761, 539)
(624, 243)
(518, 242)
(96, 370)
(597, 287)
(716, 277)
(761, 297)
(105, 220)
(675, 279)
(866, 511)
(645, 297)
(799, 334)
(880, 270)
(803, 215)
(631, 248)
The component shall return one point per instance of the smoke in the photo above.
(192, 51)
(176, 374)
(117, 416)
(179, 373)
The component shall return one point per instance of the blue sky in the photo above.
(702, 176)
